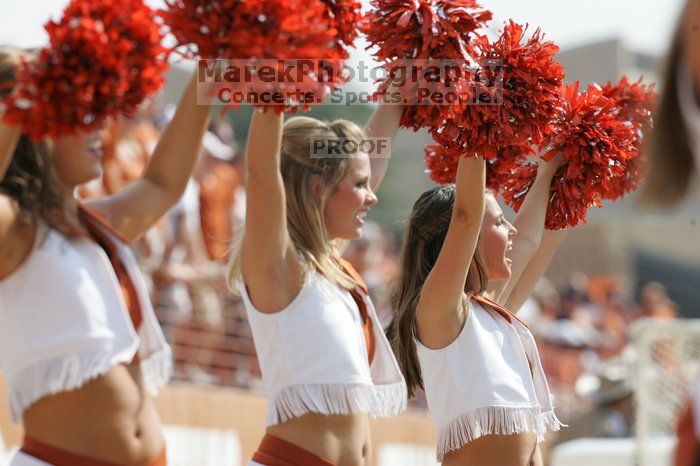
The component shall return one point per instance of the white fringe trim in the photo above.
(494, 420)
(549, 421)
(56, 375)
(157, 370)
(66, 373)
(344, 398)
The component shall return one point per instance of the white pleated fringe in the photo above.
(494, 420)
(56, 375)
(157, 370)
(328, 399)
(66, 373)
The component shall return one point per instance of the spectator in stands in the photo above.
(655, 302)
(371, 258)
(218, 184)
(127, 143)
(608, 388)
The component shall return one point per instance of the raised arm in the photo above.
(270, 267)
(530, 225)
(438, 315)
(384, 123)
(551, 240)
(138, 207)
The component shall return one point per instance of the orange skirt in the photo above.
(274, 451)
(58, 457)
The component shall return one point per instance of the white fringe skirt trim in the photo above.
(157, 370)
(66, 373)
(495, 420)
(341, 398)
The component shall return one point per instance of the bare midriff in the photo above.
(111, 419)
(497, 450)
(343, 440)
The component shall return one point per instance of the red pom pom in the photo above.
(636, 104)
(568, 201)
(422, 34)
(530, 80)
(629, 181)
(316, 30)
(250, 29)
(441, 167)
(518, 185)
(104, 58)
(594, 140)
(636, 101)
(346, 17)
(597, 146)
(421, 29)
(454, 80)
(500, 169)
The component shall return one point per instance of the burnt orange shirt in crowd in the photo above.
(217, 197)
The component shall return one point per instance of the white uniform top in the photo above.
(64, 321)
(489, 380)
(313, 356)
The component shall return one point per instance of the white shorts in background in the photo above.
(20, 458)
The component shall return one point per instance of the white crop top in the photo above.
(314, 358)
(487, 381)
(64, 321)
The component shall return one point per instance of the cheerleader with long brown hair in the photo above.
(463, 267)
(80, 347)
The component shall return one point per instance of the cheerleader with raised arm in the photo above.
(80, 347)
(463, 267)
(326, 363)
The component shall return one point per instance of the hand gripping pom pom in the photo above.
(104, 59)
(595, 144)
(568, 202)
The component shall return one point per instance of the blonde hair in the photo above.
(305, 219)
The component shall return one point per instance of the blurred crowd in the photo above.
(582, 328)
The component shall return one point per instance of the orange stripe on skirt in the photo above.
(274, 451)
